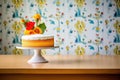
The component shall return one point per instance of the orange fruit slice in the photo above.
(29, 32)
(37, 30)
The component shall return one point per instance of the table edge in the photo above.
(59, 71)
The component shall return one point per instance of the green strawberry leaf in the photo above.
(42, 26)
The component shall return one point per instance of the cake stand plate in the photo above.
(37, 56)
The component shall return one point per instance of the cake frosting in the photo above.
(37, 37)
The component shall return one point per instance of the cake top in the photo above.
(37, 37)
(36, 26)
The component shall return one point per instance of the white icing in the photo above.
(37, 37)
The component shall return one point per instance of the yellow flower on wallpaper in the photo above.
(41, 2)
(80, 3)
(117, 50)
(106, 47)
(17, 51)
(106, 22)
(98, 2)
(17, 27)
(67, 48)
(117, 26)
(97, 29)
(57, 2)
(58, 29)
(117, 3)
(4, 23)
(67, 22)
(80, 26)
(5, 48)
(80, 50)
(17, 3)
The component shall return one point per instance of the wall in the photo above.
(0, 26)
(80, 27)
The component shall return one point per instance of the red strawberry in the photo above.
(29, 25)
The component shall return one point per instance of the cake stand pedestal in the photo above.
(37, 56)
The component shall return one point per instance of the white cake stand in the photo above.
(37, 56)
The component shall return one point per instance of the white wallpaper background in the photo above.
(80, 27)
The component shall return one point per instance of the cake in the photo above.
(34, 33)
(37, 40)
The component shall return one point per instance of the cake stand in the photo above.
(37, 56)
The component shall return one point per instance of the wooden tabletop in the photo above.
(61, 64)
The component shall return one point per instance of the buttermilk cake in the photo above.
(37, 40)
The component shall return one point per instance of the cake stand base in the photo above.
(37, 57)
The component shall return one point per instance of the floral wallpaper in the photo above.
(80, 27)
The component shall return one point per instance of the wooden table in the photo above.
(66, 67)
